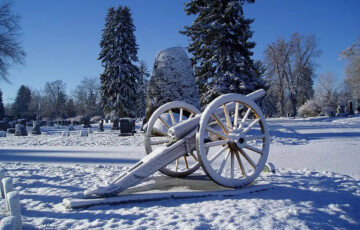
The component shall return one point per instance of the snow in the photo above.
(316, 184)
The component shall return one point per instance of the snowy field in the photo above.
(316, 184)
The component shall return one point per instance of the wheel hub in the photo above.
(236, 141)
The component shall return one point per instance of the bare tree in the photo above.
(11, 51)
(54, 98)
(87, 96)
(290, 68)
(352, 79)
(327, 92)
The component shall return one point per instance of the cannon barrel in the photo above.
(180, 130)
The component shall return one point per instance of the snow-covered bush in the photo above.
(172, 79)
(310, 109)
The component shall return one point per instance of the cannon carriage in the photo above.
(229, 140)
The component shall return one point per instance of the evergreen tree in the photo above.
(118, 52)
(22, 101)
(221, 48)
(2, 108)
(142, 89)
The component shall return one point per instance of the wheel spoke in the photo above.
(251, 162)
(172, 117)
(186, 163)
(224, 162)
(222, 125)
(253, 149)
(217, 154)
(191, 116)
(215, 143)
(232, 165)
(176, 165)
(240, 164)
(251, 125)
(195, 158)
(213, 131)
(246, 115)
(227, 117)
(255, 137)
(164, 122)
(159, 131)
(181, 114)
(158, 142)
(236, 116)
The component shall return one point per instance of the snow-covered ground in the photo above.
(316, 184)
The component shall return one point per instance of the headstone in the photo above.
(23, 122)
(71, 128)
(89, 130)
(38, 118)
(115, 124)
(36, 128)
(11, 130)
(126, 127)
(2, 134)
(50, 123)
(101, 126)
(65, 133)
(20, 130)
(350, 107)
(86, 120)
(83, 133)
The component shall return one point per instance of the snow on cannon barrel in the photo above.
(229, 140)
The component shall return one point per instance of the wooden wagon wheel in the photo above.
(160, 122)
(233, 140)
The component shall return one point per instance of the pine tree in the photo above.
(22, 101)
(2, 108)
(118, 54)
(221, 48)
(142, 89)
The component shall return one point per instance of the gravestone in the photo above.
(83, 133)
(71, 128)
(20, 130)
(2, 134)
(115, 124)
(127, 126)
(11, 130)
(65, 133)
(350, 107)
(86, 120)
(101, 126)
(36, 128)
(50, 123)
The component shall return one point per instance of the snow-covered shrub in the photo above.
(310, 109)
(172, 79)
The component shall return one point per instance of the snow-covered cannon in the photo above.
(229, 140)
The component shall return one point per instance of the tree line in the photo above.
(221, 49)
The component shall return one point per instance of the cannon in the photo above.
(229, 140)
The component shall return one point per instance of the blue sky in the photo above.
(61, 38)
